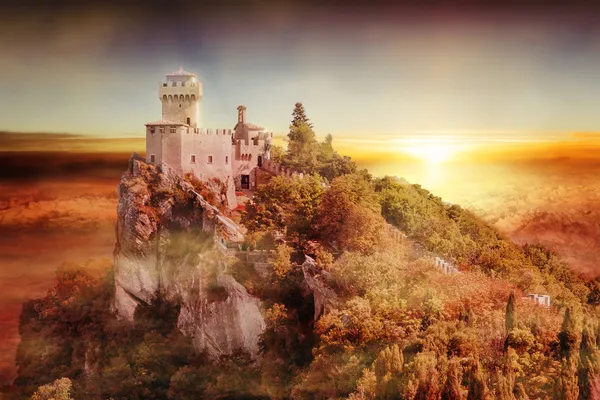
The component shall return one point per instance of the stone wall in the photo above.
(211, 152)
(280, 170)
(165, 145)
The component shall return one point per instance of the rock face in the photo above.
(166, 247)
(324, 296)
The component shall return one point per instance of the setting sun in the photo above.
(431, 153)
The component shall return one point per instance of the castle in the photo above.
(233, 156)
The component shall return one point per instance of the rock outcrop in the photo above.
(166, 247)
(324, 295)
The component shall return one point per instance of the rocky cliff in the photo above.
(166, 248)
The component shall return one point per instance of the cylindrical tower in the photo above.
(180, 95)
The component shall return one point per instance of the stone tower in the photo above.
(180, 95)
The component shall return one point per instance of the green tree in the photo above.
(285, 205)
(566, 386)
(452, 389)
(568, 335)
(188, 383)
(299, 117)
(589, 362)
(281, 262)
(282, 352)
(506, 375)
(477, 388)
(388, 368)
(341, 204)
(277, 154)
(60, 389)
(303, 149)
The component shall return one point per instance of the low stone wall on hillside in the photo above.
(280, 170)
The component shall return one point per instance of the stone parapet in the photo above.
(280, 170)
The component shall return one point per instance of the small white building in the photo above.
(231, 155)
(541, 299)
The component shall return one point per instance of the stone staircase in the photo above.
(445, 266)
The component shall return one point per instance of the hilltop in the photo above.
(325, 297)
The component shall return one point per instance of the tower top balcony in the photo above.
(181, 73)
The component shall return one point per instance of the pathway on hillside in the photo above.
(447, 267)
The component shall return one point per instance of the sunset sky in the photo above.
(437, 73)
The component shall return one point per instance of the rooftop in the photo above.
(181, 72)
(253, 127)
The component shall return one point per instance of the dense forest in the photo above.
(395, 326)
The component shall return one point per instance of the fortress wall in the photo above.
(153, 145)
(171, 148)
(205, 143)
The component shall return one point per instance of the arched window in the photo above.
(188, 120)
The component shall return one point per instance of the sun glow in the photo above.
(431, 153)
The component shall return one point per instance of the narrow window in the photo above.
(152, 158)
(188, 120)
(226, 159)
(152, 130)
(193, 158)
(162, 130)
(210, 159)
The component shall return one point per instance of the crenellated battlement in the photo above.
(280, 170)
(209, 131)
(179, 84)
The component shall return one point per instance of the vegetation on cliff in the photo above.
(392, 325)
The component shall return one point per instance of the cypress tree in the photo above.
(506, 375)
(452, 389)
(566, 386)
(511, 313)
(397, 360)
(568, 335)
(589, 363)
(388, 366)
(477, 389)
